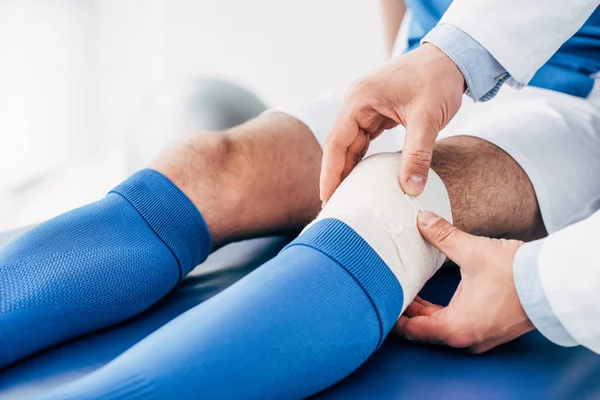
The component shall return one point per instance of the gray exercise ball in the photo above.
(201, 104)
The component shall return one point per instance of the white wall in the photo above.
(284, 50)
(46, 84)
(73, 74)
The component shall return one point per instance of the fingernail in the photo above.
(415, 185)
(323, 205)
(427, 219)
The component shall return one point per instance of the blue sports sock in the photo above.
(97, 265)
(293, 327)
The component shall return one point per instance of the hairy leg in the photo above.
(489, 192)
(259, 178)
(262, 178)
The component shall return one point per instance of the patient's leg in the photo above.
(257, 179)
(490, 193)
(300, 322)
(260, 178)
(108, 261)
(105, 262)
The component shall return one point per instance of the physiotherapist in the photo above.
(508, 288)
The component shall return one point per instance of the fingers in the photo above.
(438, 329)
(358, 123)
(425, 322)
(356, 152)
(427, 329)
(454, 243)
(421, 307)
(343, 135)
(416, 156)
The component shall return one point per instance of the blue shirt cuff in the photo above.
(483, 75)
(533, 299)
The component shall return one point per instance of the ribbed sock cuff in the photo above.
(171, 215)
(341, 243)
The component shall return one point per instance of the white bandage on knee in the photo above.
(372, 203)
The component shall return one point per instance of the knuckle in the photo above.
(445, 232)
(419, 158)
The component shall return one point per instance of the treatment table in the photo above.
(529, 367)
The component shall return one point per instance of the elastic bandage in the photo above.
(371, 201)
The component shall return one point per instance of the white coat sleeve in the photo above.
(526, 274)
(520, 34)
(569, 271)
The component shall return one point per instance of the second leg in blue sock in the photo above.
(298, 324)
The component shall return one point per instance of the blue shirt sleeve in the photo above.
(533, 299)
(483, 75)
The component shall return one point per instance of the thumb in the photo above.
(454, 243)
(416, 156)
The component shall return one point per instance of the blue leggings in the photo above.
(298, 324)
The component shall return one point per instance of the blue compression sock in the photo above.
(97, 265)
(296, 325)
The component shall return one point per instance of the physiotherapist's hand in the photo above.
(485, 311)
(421, 90)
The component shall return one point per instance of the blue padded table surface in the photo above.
(530, 367)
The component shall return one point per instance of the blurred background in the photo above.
(91, 89)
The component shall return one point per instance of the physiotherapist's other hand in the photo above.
(485, 311)
(421, 90)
